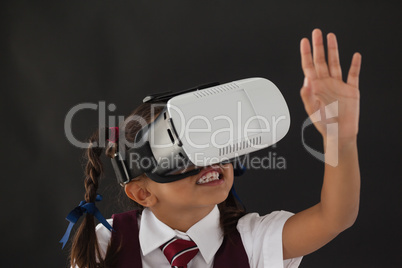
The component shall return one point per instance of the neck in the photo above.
(181, 218)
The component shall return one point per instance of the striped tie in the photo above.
(179, 252)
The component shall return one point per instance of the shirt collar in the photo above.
(206, 233)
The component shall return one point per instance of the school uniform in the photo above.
(260, 238)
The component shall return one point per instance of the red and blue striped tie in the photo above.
(179, 252)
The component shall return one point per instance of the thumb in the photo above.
(307, 96)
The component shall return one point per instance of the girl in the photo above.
(204, 219)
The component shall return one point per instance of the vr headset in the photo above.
(202, 126)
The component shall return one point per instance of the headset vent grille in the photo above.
(239, 146)
(215, 90)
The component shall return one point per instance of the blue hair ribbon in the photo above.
(237, 197)
(238, 170)
(78, 211)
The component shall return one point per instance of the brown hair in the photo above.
(85, 251)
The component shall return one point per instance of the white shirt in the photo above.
(261, 237)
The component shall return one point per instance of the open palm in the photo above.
(324, 86)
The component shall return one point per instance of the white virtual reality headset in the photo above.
(202, 126)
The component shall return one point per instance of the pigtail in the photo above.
(85, 251)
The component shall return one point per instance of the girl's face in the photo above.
(206, 189)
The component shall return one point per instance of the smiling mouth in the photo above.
(210, 176)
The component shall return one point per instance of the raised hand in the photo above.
(325, 95)
(323, 85)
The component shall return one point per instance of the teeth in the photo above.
(210, 176)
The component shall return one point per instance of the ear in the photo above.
(137, 191)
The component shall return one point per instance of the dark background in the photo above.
(57, 54)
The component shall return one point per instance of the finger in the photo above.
(354, 71)
(307, 59)
(319, 54)
(333, 57)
